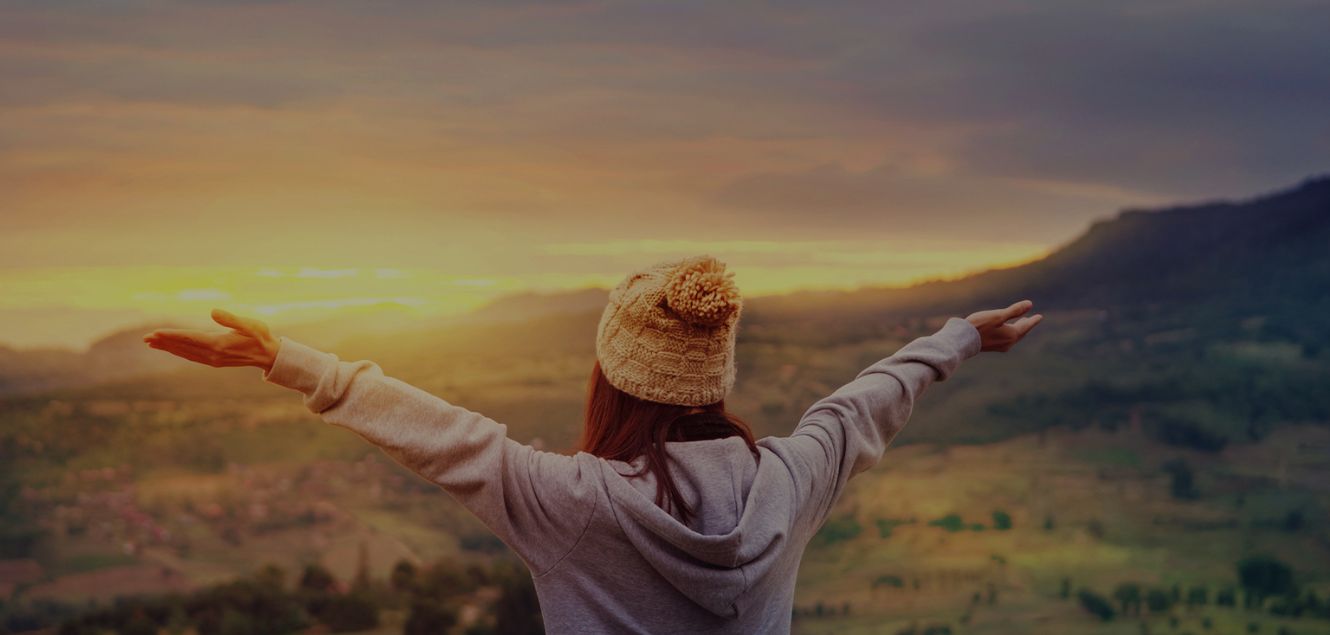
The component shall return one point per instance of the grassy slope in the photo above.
(1077, 479)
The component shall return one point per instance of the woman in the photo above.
(671, 517)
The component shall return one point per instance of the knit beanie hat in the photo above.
(668, 332)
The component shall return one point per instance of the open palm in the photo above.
(248, 343)
(996, 333)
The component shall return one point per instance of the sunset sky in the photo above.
(287, 159)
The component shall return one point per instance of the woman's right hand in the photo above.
(994, 331)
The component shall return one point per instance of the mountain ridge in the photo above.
(1197, 253)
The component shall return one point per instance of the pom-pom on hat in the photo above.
(668, 332)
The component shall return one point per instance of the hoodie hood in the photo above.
(730, 541)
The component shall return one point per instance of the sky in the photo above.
(290, 159)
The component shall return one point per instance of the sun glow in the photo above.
(72, 306)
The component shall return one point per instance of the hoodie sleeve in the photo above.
(847, 431)
(537, 502)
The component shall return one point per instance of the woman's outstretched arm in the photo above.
(536, 502)
(848, 431)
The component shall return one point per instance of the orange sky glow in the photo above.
(290, 160)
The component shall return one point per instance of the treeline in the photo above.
(847, 526)
(429, 599)
(1264, 584)
(1198, 403)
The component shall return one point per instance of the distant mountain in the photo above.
(1265, 249)
(521, 307)
(530, 323)
(112, 357)
(1269, 250)
(375, 319)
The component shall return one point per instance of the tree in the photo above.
(271, 576)
(403, 577)
(317, 579)
(889, 579)
(1128, 595)
(1198, 596)
(349, 613)
(1264, 576)
(244, 606)
(1293, 521)
(1096, 604)
(950, 522)
(1157, 600)
(1183, 485)
(836, 530)
(1001, 520)
(1226, 596)
(445, 579)
(1187, 434)
(428, 617)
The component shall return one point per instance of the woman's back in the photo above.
(604, 556)
(732, 567)
(637, 568)
(605, 553)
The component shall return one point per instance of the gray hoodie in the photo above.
(604, 557)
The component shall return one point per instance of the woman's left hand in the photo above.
(249, 343)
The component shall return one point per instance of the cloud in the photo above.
(33, 80)
(891, 200)
(1173, 97)
(468, 134)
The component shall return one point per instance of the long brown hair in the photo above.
(621, 427)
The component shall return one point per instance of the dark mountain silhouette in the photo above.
(1272, 250)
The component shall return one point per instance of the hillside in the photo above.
(1193, 336)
